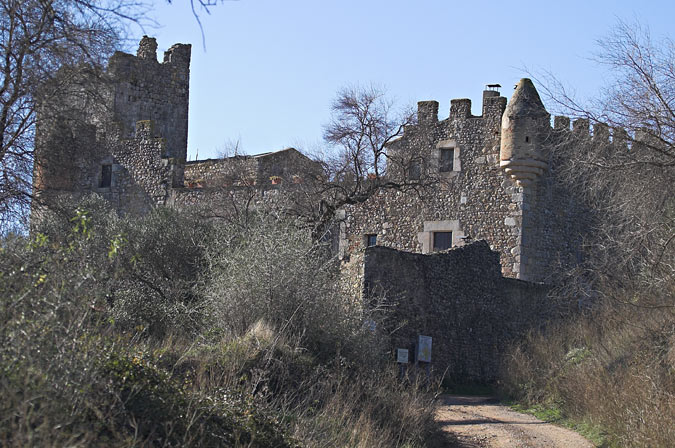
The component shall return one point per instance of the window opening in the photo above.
(447, 157)
(442, 240)
(106, 176)
(527, 139)
(414, 171)
(371, 240)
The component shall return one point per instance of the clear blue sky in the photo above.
(271, 67)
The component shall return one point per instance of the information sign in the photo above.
(424, 348)
(402, 355)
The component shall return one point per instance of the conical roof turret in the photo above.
(525, 102)
(525, 125)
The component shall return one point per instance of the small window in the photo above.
(446, 161)
(414, 171)
(442, 240)
(106, 176)
(527, 139)
(371, 240)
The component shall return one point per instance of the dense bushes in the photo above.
(273, 271)
(613, 368)
(143, 270)
(167, 330)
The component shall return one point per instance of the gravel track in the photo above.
(482, 422)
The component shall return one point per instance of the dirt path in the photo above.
(482, 422)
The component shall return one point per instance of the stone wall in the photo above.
(131, 121)
(142, 176)
(230, 171)
(534, 226)
(268, 170)
(474, 201)
(459, 298)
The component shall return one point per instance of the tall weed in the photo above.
(614, 368)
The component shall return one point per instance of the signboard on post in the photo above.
(402, 356)
(424, 348)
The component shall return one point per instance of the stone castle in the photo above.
(496, 173)
(496, 182)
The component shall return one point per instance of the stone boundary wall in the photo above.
(460, 299)
(226, 172)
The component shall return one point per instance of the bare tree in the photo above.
(38, 40)
(363, 126)
(627, 181)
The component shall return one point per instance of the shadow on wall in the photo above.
(460, 299)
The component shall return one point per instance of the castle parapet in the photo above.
(427, 112)
(178, 54)
(147, 49)
(581, 126)
(620, 138)
(561, 123)
(601, 133)
(460, 108)
(493, 103)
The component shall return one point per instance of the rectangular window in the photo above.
(414, 170)
(442, 240)
(371, 240)
(106, 176)
(447, 157)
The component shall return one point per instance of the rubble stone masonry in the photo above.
(495, 180)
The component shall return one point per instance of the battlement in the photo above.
(460, 109)
(427, 112)
(147, 49)
(177, 56)
(602, 133)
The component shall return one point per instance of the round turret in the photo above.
(524, 127)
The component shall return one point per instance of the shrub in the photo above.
(145, 269)
(273, 271)
(114, 334)
(613, 368)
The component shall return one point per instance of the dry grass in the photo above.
(614, 368)
(338, 404)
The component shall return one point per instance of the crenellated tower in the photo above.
(145, 89)
(121, 133)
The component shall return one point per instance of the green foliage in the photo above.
(165, 330)
(272, 271)
(144, 269)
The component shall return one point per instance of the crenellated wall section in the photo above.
(504, 187)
